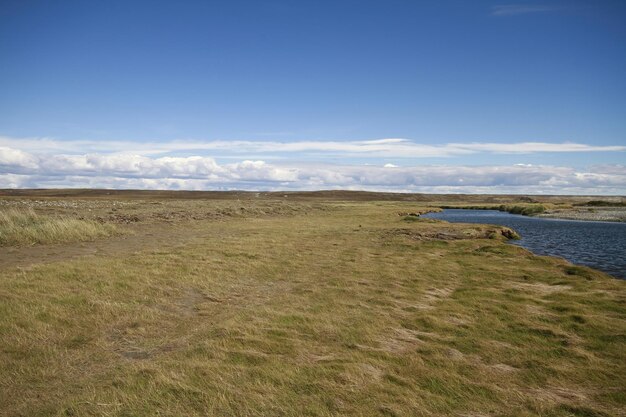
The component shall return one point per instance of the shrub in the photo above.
(526, 209)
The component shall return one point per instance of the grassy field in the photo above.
(289, 307)
(25, 227)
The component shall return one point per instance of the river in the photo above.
(600, 245)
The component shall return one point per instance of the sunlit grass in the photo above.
(351, 311)
(25, 227)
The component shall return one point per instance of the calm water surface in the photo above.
(600, 245)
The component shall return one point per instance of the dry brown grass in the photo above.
(25, 227)
(329, 313)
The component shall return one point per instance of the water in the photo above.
(600, 245)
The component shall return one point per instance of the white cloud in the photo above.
(379, 148)
(534, 147)
(20, 169)
(10, 157)
(16, 181)
(260, 171)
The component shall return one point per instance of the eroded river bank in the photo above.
(600, 245)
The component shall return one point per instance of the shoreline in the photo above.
(595, 214)
(572, 255)
(602, 214)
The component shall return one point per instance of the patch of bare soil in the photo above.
(143, 237)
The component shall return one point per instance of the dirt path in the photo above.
(141, 237)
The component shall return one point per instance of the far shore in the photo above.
(566, 207)
(597, 214)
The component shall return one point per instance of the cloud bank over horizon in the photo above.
(189, 165)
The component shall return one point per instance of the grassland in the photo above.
(285, 306)
(25, 227)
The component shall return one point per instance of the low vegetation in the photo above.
(25, 227)
(523, 209)
(347, 310)
(602, 203)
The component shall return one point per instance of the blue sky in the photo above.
(336, 86)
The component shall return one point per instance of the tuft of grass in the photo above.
(411, 218)
(581, 271)
(25, 227)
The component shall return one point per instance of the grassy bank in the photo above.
(347, 311)
(602, 203)
(523, 209)
(25, 227)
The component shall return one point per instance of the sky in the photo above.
(398, 95)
